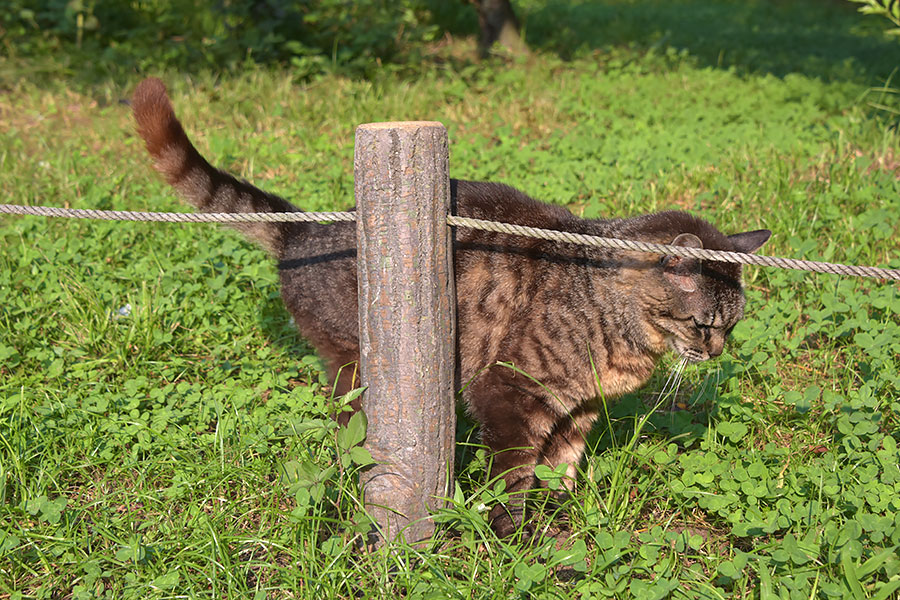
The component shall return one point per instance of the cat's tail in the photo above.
(196, 181)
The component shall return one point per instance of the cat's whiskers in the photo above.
(673, 382)
(679, 378)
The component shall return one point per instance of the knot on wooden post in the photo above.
(406, 320)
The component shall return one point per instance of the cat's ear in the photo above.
(681, 271)
(750, 241)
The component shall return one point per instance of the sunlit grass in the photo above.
(183, 448)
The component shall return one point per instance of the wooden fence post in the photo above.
(407, 327)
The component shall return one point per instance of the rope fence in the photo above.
(457, 221)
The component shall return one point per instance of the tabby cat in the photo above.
(584, 322)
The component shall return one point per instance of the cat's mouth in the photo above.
(691, 354)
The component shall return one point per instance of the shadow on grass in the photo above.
(827, 39)
(277, 325)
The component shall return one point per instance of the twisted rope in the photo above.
(128, 215)
(718, 255)
(507, 228)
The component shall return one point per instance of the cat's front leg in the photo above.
(565, 446)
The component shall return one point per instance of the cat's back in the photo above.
(503, 203)
(314, 247)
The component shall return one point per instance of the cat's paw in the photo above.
(508, 523)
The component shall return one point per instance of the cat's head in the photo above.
(701, 300)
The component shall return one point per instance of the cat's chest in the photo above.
(623, 376)
(624, 363)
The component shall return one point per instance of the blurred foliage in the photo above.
(307, 34)
(92, 40)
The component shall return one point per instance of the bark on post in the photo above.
(406, 321)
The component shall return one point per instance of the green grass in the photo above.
(184, 450)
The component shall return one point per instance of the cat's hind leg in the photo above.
(343, 370)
